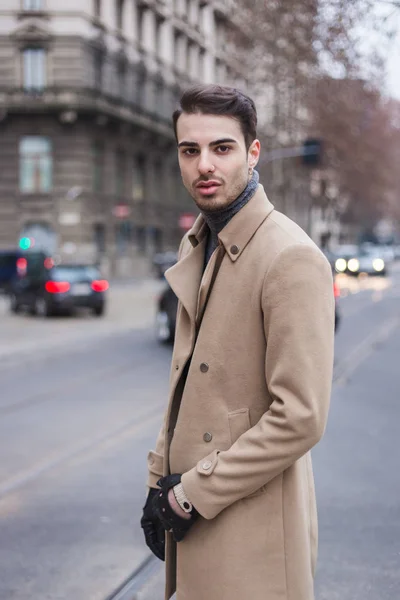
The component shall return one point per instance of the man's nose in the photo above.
(205, 164)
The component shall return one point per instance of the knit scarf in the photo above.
(217, 220)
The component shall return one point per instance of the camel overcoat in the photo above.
(249, 399)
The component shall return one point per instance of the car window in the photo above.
(74, 273)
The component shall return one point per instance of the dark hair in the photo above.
(220, 100)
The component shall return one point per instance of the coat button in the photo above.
(207, 437)
(204, 367)
(207, 465)
(235, 249)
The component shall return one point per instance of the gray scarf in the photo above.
(217, 220)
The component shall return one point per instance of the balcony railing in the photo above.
(151, 103)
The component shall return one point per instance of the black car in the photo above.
(46, 289)
(166, 316)
(13, 263)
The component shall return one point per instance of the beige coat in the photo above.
(255, 401)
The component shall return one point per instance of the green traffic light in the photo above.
(25, 243)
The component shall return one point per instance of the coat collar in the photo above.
(185, 277)
(238, 232)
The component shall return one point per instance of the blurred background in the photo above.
(92, 210)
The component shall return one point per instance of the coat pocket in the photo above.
(239, 423)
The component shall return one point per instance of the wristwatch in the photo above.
(182, 499)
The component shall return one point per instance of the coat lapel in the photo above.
(185, 277)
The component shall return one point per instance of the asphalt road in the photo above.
(75, 427)
(74, 434)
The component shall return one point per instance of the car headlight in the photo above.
(378, 264)
(353, 265)
(340, 265)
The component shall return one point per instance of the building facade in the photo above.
(88, 166)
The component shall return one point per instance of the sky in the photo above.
(391, 47)
(393, 68)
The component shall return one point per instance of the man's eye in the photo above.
(190, 151)
(223, 149)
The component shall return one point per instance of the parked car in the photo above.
(168, 304)
(166, 316)
(13, 263)
(46, 289)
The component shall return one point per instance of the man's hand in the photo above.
(154, 531)
(168, 510)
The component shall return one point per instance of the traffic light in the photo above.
(25, 243)
(312, 152)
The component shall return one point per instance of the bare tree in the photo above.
(312, 76)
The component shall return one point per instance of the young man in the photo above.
(231, 479)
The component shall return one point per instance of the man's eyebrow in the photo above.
(189, 144)
(214, 143)
(223, 141)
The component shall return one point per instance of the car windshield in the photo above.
(371, 252)
(74, 273)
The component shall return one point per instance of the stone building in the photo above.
(88, 164)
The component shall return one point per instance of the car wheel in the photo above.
(163, 328)
(41, 308)
(14, 304)
(99, 311)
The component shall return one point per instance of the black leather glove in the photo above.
(167, 516)
(154, 531)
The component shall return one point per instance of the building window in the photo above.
(141, 82)
(98, 62)
(119, 7)
(138, 178)
(159, 37)
(98, 167)
(120, 170)
(33, 4)
(34, 69)
(97, 9)
(202, 64)
(123, 236)
(35, 165)
(140, 24)
(177, 48)
(121, 74)
(99, 232)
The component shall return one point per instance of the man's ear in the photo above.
(254, 153)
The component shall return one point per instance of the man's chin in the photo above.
(209, 203)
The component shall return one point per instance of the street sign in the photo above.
(186, 221)
(121, 211)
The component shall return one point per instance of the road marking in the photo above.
(135, 586)
(360, 353)
(140, 421)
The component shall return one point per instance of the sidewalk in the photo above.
(131, 305)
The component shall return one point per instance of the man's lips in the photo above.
(207, 188)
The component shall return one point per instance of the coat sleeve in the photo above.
(298, 317)
(155, 458)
